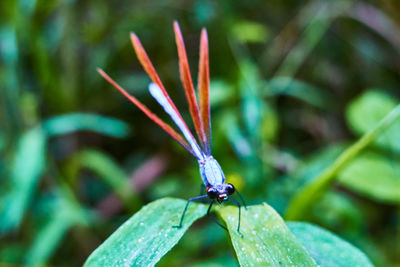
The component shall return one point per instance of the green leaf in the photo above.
(28, 163)
(373, 175)
(269, 125)
(297, 89)
(220, 93)
(316, 163)
(312, 191)
(249, 31)
(266, 240)
(365, 112)
(80, 121)
(64, 215)
(146, 236)
(47, 240)
(237, 139)
(109, 171)
(252, 107)
(27, 166)
(337, 210)
(327, 249)
(61, 212)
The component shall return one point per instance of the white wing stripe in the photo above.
(156, 92)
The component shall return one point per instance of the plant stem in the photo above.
(312, 191)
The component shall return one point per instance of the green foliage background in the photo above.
(293, 84)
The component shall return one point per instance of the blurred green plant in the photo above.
(29, 162)
(312, 191)
(293, 85)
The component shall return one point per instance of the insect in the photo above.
(210, 170)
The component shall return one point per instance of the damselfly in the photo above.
(210, 171)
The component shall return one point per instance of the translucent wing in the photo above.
(149, 114)
(201, 118)
(187, 83)
(204, 87)
(156, 92)
(162, 95)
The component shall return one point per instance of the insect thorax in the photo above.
(211, 172)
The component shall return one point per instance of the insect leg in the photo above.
(241, 198)
(212, 217)
(184, 211)
(237, 203)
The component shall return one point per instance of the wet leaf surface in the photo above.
(265, 240)
(147, 236)
(327, 249)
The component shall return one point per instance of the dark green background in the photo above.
(286, 79)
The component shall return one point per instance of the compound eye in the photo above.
(212, 193)
(230, 189)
